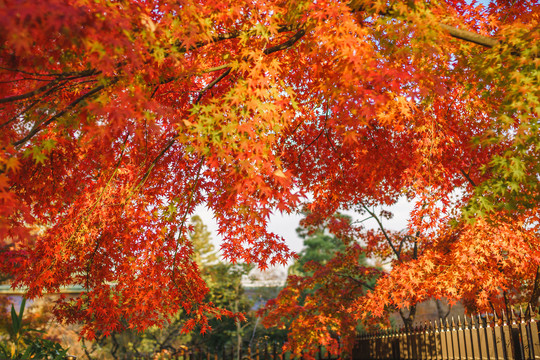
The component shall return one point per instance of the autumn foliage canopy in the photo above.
(119, 118)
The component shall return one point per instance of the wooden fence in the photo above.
(481, 337)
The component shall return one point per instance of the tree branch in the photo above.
(466, 176)
(29, 94)
(212, 84)
(360, 282)
(287, 44)
(464, 35)
(311, 143)
(60, 114)
(231, 35)
(383, 231)
(52, 83)
(469, 36)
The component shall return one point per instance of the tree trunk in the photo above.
(440, 311)
(536, 291)
(408, 319)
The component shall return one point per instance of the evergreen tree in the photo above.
(204, 252)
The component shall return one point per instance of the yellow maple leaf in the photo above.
(280, 173)
(12, 164)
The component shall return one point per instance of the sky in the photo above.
(285, 225)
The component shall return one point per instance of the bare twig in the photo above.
(59, 114)
(360, 282)
(186, 212)
(386, 236)
(309, 145)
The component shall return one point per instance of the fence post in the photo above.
(507, 333)
(461, 340)
(449, 342)
(455, 342)
(429, 340)
(418, 334)
(402, 346)
(532, 335)
(468, 339)
(428, 334)
(490, 337)
(498, 338)
(437, 341)
(395, 345)
(408, 341)
(475, 346)
(374, 346)
(388, 344)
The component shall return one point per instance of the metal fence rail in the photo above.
(481, 337)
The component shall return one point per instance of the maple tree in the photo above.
(119, 118)
(316, 307)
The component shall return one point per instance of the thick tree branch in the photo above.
(287, 44)
(464, 35)
(212, 84)
(34, 103)
(171, 142)
(29, 94)
(408, 320)
(466, 176)
(469, 36)
(440, 312)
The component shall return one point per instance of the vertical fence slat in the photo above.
(490, 339)
(507, 333)
(484, 344)
(444, 342)
(427, 342)
(533, 335)
(524, 337)
(477, 355)
(372, 348)
(401, 344)
(453, 348)
(432, 346)
(389, 344)
(437, 342)
(468, 339)
(499, 339)
(406, 344)
(461, 340)
(415, 343)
